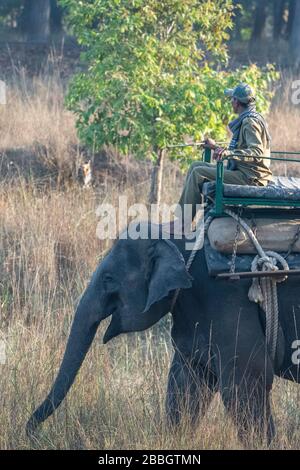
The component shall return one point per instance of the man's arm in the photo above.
(252, 135)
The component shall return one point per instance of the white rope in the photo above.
(264, 291)
(198, 243)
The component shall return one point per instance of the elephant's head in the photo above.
(134, 284)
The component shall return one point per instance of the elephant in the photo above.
(217, 333)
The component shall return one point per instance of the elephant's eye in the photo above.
(110, 284)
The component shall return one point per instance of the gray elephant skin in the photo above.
(217, 333)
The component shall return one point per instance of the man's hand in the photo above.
(218, 152)
(210, 144)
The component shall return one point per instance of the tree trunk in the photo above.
(36, 20)
(278, 9)
(291, 8)
(295, 36)
(237, 19)
(260, 18)
(56, 15)
(156, 179)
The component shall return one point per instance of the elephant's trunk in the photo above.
(82, 333)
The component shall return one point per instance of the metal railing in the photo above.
(220, 200)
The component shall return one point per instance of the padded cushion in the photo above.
(271, 191)
(281, 188)
(273, 234)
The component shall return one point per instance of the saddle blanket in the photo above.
(220, 263)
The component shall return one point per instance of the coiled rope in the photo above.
(264, 290)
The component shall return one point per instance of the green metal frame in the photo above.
(207, 155)
(221, 200)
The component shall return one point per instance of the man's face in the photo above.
(235, 104)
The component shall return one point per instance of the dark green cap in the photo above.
(243, 92)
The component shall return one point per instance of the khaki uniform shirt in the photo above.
(252, 141)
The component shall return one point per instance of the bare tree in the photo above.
(36, 20)
(291, 10)
(260, 18)
(295, 36)
(56, 16)
(278, 15)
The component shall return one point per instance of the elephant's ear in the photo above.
(166, 271)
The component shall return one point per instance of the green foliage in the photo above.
(216, 110)
(245, 9)
(153, 73)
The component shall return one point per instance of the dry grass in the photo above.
(37, 133)
(284, 122)
(48, 249)
(35, 113)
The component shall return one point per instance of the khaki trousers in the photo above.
(199, 173)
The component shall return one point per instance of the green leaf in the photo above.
(154, 73)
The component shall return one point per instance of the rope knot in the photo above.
(267, 263)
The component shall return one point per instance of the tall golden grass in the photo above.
(48, 250)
